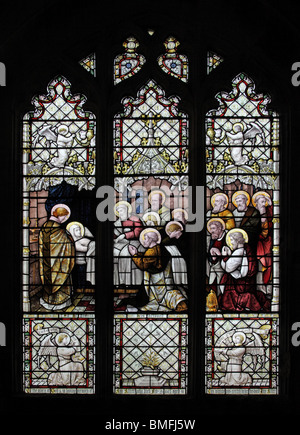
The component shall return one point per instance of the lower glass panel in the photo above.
(59, 354)
(242, 354)
(150, 354)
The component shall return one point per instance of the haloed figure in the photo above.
(85, 256)
(57, 258)
(159, 283)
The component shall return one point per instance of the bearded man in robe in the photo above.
(219, 202)
(262, 201)
(57, 259)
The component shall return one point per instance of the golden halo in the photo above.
(182, 210)
(151, 216)
(60, 206)
(241, 334)
(217, 220)
(126, 203)
(240, 192)
(261, 193)
(59, 338)
(65, 207)
(149, 230)
(173, 223)
(236, 124)
(235, 230)
(160, 192)
(212, 200)
(79, 224)
(62, 128)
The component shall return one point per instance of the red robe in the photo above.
(264, 246)
(241, 294)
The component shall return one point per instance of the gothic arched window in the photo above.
(137, 302)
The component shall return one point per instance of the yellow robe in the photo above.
(227, 217)
(57, 258)
(158, 281)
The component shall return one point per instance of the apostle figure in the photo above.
(57, 259)
(151, 219)
(262, 201)
(181, 215)
(247, 217)
(219, 202)
(216, 241)
(127, 229)
(238, 284)
(174, 230)
(156, 265)
(156, 200)
(85, 256)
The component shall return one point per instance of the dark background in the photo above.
(39, 40)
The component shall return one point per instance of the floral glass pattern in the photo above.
(173, 63)
(129, 63)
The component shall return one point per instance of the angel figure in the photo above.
(231, 349)
(62, 139)
(235, 141)
(64, 349)
(253, 131)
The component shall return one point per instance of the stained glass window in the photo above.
(59, 231)
(89, 63)
(150, 269)
(242, 305)
(150, 257)
(129, 63)
(173, 63)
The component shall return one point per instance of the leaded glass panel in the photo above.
(129, 63)
(173, 63)
(242, 179)
(59, 354)
(59, 230)
(213, 61)
(151, 207)
(89, 63)
(150, 354)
